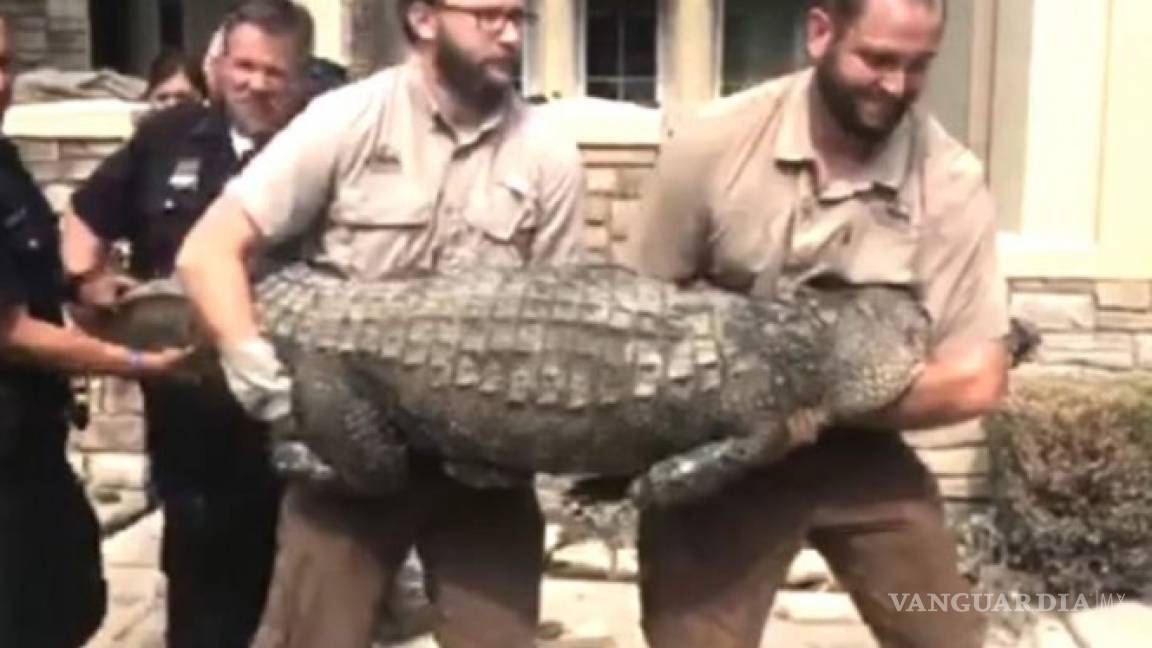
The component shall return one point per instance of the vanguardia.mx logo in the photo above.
(991, 602)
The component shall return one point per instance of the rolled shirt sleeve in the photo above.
(963, 287)
(285, 188)
(103, 201)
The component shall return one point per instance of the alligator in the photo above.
(586, 370)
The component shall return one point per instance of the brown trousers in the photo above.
(709, 572)
(482, 551)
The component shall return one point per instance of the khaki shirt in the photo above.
(738, 204)
(378, 182)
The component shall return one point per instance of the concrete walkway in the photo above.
(595, 613)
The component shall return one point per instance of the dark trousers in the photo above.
(52, 591)
(220, 499)
(709, 572)
(482, 549)
(217, 554)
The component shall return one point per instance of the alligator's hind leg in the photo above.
(341, 417)
(704, 470)
(295, 461)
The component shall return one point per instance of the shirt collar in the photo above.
(241, 144)
(428, 110)
(888, 168)
(215, 124)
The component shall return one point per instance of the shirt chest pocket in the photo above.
(31, 237)
(501, 223)
(877, 244)
(380, 223)
(170, 210)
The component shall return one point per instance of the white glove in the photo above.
(257, 379)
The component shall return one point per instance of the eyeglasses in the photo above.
(490, 19)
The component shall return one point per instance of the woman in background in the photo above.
(174, 79)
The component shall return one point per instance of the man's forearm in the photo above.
(219, 292)
(211, 266)
(953, 387)
(82, 252)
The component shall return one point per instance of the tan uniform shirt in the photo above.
(738, 204)
(379, 182)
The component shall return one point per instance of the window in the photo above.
(620, 50)
(127, 34)
(760, 40)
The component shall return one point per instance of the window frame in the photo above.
(662, 78)
(720, 11)
(982, 39)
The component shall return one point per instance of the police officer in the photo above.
(210, 465)
(51, 588)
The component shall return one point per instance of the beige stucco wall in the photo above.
(557, 48)
(1082, 143)
(692, 54)
(330, 17)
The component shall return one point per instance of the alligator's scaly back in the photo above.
(569, 370)
(578, 370)
(566, 338)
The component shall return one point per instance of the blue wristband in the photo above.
(135, 359)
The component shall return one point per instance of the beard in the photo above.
(846, 103)
(259, 117)
(472, 80)
(251, 122)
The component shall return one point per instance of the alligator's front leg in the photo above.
(706, 469)
(340, 417)
(692, 475)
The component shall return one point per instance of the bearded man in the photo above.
(832, 171)
(432, 164)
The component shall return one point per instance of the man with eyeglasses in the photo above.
(430, 165)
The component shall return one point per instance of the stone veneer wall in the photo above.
(1088, 325)
(52, 33)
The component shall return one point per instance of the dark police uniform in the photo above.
(209, 461)
(52, 592)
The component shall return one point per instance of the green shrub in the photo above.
(1072, 482)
